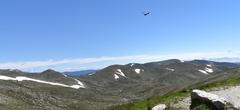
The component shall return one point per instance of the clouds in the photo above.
(100, 62)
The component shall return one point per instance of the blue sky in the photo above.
(56, 30)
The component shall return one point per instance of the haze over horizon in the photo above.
(77, 35)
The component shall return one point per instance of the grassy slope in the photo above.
(146, 104)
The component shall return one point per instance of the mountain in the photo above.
(113, 85)
(137, 81)
(224, 84)
(79, 73)
(226, 59)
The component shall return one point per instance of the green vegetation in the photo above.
(173, 97)
(232, 81)
(147, 104)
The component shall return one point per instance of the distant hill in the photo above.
(79, 73)
(226, 59)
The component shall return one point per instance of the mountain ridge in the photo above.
(113, 85)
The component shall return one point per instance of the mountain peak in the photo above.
(49, 70)
(51, 73)
(166, 62)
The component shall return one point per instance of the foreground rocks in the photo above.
(204, 100)
(160, 107)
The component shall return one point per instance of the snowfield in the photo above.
(138, 71)
(116, 76)
(22, 78)
(204, 72)
(209, 70)
(119, 71)
(80, 84)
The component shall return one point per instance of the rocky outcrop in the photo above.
(205, 100)
(160, 107)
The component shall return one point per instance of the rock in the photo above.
(201, 98)
(160, 107)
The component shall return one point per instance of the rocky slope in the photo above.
(230, 95)
(222, 94)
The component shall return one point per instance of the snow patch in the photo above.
(170, 69)
(209, 70)
(138, 71)
(22, 78)
(80, 84)
(132, 64)
(210, 96)
(116, 76)
(119, 71)
(209, 65)
(160, 107)
(204, 72)
(64, 75)
(6, 78)
(91, 74)
(76, 86)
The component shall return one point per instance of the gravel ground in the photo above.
(231, 94)
(184, 103)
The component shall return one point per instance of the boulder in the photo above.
(160, 107)
(201, 98)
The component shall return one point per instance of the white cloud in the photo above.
(99, 62)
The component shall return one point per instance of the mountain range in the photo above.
(79, 73)
(101, 89)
